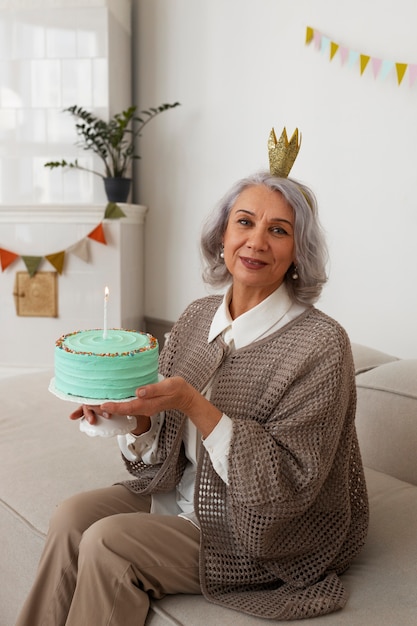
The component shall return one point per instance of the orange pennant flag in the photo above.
(401, 68)
(309, 34)
(98, 234)
(364, 62)
(57, 260)
(334, 47)
(7, 258)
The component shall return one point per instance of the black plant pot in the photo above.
(117, 189)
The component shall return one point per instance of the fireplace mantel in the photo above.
(66, 214)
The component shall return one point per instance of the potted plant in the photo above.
(113, 142)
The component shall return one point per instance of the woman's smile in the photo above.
(252, 264)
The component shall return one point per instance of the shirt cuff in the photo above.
(217, 445)
(144, 446)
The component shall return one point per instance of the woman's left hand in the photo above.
(170, 393)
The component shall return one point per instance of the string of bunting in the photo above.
(57, 259)
(380, 67)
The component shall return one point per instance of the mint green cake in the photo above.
(89, 366)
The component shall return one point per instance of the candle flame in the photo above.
(106, 293)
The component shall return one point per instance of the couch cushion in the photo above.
(386, 418)
(44, 456)
(380, 582)
(44, 459)
(367, 358)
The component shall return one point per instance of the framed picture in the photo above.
(36, 296)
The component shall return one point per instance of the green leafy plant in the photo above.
(113, 141)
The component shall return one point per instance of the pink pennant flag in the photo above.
(317, 39)
(376, 66)
(412, 73)
(344, 53)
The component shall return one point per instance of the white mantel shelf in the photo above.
(67, 214)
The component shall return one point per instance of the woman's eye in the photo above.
(244, 222)
(278, 230)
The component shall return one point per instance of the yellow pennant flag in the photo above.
(57, 260)
(334, 47)
(364, 62)
(309, 34)
(401, 68)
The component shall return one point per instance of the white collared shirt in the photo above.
(257, 323)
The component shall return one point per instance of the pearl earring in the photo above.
(222, 252)
(294, 274)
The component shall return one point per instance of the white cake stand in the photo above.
(117, 425)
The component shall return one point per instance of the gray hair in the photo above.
(309, 240)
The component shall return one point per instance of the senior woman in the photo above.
(248, 484)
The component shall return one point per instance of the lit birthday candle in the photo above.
(106, 299)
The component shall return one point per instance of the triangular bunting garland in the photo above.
(380, 67)
(7, 258)
(98, 234)
(32, 263)
(80, 250)
(113, 211)
(57, 260)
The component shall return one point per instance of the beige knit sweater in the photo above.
(295, 512)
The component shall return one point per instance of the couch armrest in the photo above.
(386, 418)
(366, 358)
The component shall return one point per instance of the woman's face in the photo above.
(259, 241)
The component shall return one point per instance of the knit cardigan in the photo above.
(295, 512)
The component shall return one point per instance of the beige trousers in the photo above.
(106, 557)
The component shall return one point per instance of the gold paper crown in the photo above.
(282, 153)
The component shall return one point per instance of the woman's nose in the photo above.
(257, 239)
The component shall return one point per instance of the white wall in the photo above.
(240, 67)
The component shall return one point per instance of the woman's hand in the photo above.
(170, 393)
(90, 413)
(87, 411)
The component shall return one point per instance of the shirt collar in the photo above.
(253, 324)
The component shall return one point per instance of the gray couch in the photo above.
(44, 458)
